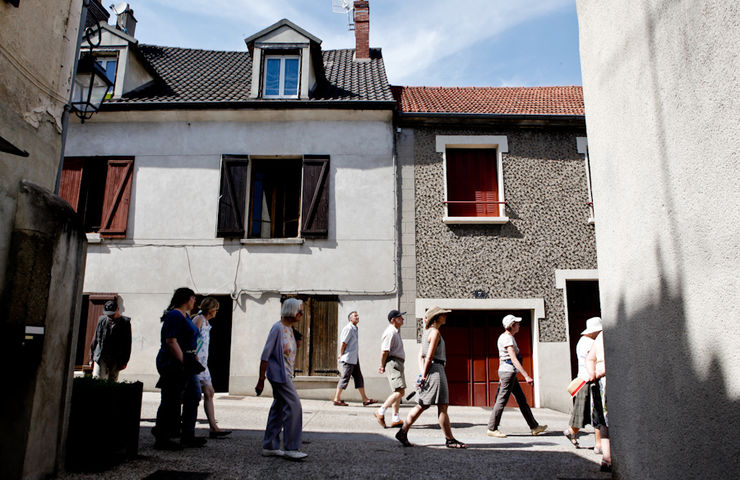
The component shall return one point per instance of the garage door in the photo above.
(472, 355)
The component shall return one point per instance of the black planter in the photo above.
(103, 424)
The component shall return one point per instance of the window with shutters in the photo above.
(99, 190)
(473, 179)
(274, 198)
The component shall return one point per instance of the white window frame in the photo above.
(582, 145)
(281, 80)
(497, 142)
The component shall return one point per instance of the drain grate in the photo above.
(176, 475)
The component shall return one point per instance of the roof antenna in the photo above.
(344, 6)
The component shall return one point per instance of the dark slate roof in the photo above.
(549, 101)
(214, 78)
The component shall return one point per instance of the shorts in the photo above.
(396, 377)
(350, 370)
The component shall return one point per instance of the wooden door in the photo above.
(318, 354)
(472, 355)
(92, 309)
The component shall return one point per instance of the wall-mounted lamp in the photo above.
(91, 84)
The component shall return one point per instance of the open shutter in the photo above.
(233, 196)
(71, 181)
(315, 201)
(117, 197)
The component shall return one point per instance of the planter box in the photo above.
(103, 424)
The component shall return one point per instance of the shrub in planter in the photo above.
(103, 423)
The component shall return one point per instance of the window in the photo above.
(276, 197)
(281, 76)
(109, 64)
(99, 190)
(473, 178)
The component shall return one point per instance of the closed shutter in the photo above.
(71, 181)
(233, 196)
(324, 312)
(472, 177)
(117, 197)
(315, 200)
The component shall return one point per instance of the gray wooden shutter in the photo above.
(315, 201)
(233, 196)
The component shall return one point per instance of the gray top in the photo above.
(392, 343)
(440, 353)
(506, 340)
(350, 336)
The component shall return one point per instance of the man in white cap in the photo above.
(509, 364)
(580, 414)
(111, 346)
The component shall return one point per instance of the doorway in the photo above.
(219, 350)
(472, 355)
(583, 303)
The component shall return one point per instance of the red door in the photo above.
(472, 355)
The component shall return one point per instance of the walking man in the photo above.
(111, 346)
(391, 363)
(349, 357)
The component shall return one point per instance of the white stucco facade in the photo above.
(171, 235)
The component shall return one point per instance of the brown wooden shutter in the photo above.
(71, 181)
(315, 201)
(323, 332)
(233, 197)
(117, 197)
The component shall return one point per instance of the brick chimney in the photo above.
(362, 31)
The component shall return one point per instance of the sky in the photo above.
(425, 42)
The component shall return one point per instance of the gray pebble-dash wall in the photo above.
(546, 193)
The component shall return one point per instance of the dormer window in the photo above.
(109, 64)
(281, 78)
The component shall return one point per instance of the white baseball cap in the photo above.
(509, 319)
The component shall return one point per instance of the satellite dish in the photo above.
(341, 6)
(119, 8)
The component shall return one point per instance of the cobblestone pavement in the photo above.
(348, 443)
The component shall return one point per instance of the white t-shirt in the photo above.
(392, 343)
(506, 340)
(582, 348)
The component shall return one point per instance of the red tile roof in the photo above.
(491, 100)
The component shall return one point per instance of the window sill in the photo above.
(475, 220)
(94, 238)
(272, 241)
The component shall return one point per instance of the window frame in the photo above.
(582, 146)
(107, 56)
(499, 143)
(281, 77)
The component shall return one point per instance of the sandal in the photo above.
(369, 401)
(572, 437)
(453, 443)
(402, 437)
(340, 404)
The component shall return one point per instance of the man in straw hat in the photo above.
(392, 360)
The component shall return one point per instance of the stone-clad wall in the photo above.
(546, 190)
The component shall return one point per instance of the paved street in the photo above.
(347, 442)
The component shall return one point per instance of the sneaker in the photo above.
(272, 453)
(166, 444)
(192, 442)
(539, 429)
(295, 455)
(496, 433)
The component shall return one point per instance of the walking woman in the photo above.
(434, 389)
(178, 380)
(509, 364)
(278, 359)
(208, 310)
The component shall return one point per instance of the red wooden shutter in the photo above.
(315, 201)
(472, 176)
(233, 197)
(117, 197)
(69, 186)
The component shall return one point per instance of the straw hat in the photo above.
(432, 313)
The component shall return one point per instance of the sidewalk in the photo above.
(348, 443)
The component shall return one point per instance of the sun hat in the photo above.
(433, 312)
(509, 319)
(593, 325)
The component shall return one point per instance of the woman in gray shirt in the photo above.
(434, 390)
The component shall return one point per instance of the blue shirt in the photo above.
(273, 355)
(180, 327)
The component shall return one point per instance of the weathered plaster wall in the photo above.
(546, 190)
(661, 87)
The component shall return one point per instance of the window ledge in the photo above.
(272, 241)
(94, 238)
(475, 220)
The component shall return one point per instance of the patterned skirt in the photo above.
(435, 390)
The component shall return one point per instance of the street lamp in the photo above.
(91, 85)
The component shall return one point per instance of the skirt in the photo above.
(435, 390)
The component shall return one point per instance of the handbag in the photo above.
(576, 385)
(191, 364)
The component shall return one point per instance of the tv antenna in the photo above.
(344, 6)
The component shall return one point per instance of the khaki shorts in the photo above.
(395, 372)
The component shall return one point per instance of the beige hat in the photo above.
(593, 325)
(433, 312)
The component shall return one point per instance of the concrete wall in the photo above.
(661, 90)
(171, 236)
(548, 229)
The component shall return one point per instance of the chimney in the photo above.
(362, 30)
(125, 20)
